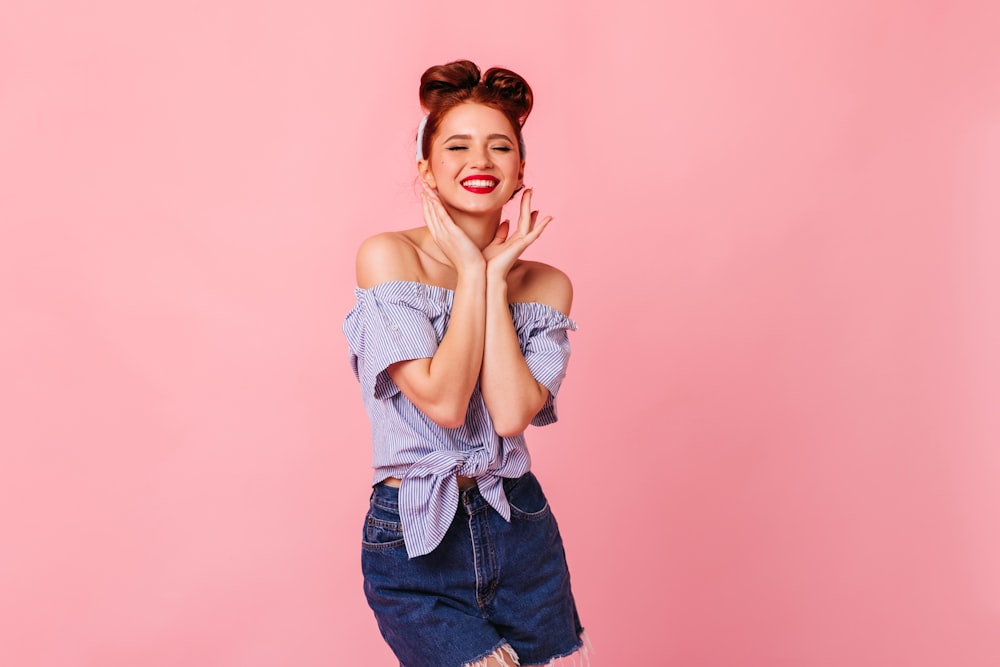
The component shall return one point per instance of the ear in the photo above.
(520, 176)
(426, 175)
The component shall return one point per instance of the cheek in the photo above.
(441, 164)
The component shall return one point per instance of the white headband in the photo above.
(420, 140)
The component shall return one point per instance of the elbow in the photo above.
(447, 416)
(450, 423)
(445, 411)
(512, 420)
(510, 431)
(508, 428)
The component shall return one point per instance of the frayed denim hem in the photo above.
(578, 657)
(503, 654)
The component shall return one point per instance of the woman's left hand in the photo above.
(506, 248)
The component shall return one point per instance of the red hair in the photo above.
(444, 87)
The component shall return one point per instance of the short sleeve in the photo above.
(389, 323)
(543, 335)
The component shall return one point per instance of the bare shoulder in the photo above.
(542, 283)
(385, 257)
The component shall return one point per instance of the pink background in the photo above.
(779, 433)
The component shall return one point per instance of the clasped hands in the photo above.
(500, 255)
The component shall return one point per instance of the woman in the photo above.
(458, 345)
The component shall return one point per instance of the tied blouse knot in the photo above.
(401, 320)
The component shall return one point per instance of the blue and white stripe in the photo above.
(401, 320)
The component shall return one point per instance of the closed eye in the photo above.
(457, 148)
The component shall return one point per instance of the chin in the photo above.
(478, 207)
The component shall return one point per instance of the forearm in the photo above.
(455, 367)
(511, 393)
(442, 385)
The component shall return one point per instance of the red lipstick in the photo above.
(480, 184)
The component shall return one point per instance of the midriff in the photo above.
(463, 482)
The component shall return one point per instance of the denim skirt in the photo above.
(489, 582)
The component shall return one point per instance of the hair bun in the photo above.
(512, 87)
(443, 82)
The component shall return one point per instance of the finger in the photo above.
(525, 209)
(445, 223)
(431, 195)
(539, 228)
(425, 202)
(502, 230)
(525, 226)
(431, 217)
(439, 207)
(441, 222)
(426, 206)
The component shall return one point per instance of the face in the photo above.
(474, 162)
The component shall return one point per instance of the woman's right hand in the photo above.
(454, 243)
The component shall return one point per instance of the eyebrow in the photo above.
(468, 137)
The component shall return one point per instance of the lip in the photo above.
(480, 177)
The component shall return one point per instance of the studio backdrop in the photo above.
(777, 443)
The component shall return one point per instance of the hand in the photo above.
(506, 247)
(454, 243)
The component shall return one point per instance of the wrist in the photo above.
(472, 276)
(496, 286)
(496, 272)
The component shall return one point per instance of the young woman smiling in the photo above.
(459, 345)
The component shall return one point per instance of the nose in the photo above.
(481, 157)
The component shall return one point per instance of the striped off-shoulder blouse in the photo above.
(401, 320)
